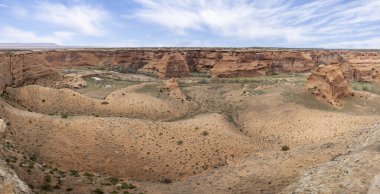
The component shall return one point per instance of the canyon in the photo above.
(23, 67)
(188, 120)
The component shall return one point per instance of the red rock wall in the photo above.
(24, 67)
(5, 71)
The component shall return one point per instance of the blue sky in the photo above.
(226, 23)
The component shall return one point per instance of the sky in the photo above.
(193, 23)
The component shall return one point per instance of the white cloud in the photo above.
(3, 5)
(18, 11)
(14, 35)
(291, 23)
(84, 19)
(64, 35)
(371, 43)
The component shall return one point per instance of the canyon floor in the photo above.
(132, 133)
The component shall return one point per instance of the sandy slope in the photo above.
(130, 148)
(221, 138)
(124, 102)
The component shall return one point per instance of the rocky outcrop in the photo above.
(3, 126)
(172, 86)
(356, 171)
(363, 66)
(5, 71)
(170, 66)
(328, 82)
(24, 68)
(242, 64)
(9, 181)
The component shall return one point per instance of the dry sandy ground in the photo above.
(126, 102)
(212, 138)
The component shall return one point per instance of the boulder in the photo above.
(10, 182)
(3, 126)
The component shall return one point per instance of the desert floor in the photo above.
(137, 134)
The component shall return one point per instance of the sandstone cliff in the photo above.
(248, 64)
(171, 65)
(329, 83)
(25, 67)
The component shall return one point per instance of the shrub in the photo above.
(47, 179)
(8, 53)
(98, 191)
(113, 180)
(89, 176)
(125, 186)
(203, 81)
(180, 142)
(104, 103)
(46, 187)
(64, 116)
(204, 133)
(33, 157)
(74, 173)
(166, 181)
(285, 148)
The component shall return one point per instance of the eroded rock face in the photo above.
(25, 67)
(9, 181)
(250, 64)
(363, 66)
(173, 87)
(172, 65)
(328, 82)
(3, 126)
(356, 171)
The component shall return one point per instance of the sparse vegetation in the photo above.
(105, 103)
(98, 191)
(285, 148)
(158, 145)
(8, 53)
(64, 116)
(46, 187)
(74, 173)
(89, 176)
(33, 157)
(166, 181)
(204, 133)
(127, 186)
(113, 180)
(199, 74)
(361, 86)
(47, 179)
(5, 96)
